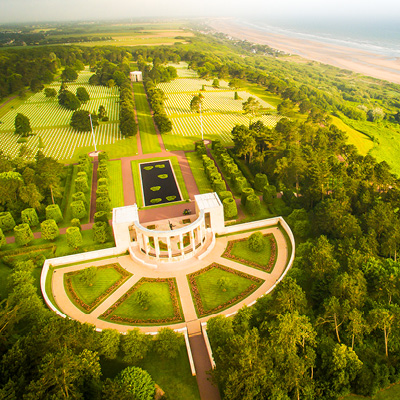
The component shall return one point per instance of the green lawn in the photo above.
(262, 93)
(116, 187)
(196, 165)
(212, 296)
(138, 183)
(148, 135)
(160, 304)
(241, 249)
(173, 376)
(363, 143)
(105, 278)
(391, 393)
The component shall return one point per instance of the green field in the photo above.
(50, 122)
(148, 135)
(196, 165)
(105, 278)
(363, 143)
(391, 393)
(137, 180)
(160, 303)
(116, 189)
(213, 297)
(241, 249)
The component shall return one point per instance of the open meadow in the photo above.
(50, 122)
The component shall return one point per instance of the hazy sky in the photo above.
(61, 10)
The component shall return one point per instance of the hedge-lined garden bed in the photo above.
(109, 277)
(163, 308)
(209, 296)
(239, 251)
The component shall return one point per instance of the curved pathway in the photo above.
(178, 270)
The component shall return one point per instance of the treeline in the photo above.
(31, 68)
(152, 75)
(30, 183)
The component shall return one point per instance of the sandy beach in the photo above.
(363, 62)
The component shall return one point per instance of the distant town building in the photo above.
(136, 76)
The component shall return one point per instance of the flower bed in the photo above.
(196, 295)
(250, 263)
(90, 307)
(177, 317)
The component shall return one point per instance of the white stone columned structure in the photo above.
(169, 245)
(136, 76)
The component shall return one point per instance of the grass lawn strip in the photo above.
(177, 172)
(209, 298)
(164, 304)
(87, 298)
(196, 165)
(238, 250)
(115, 187)
(148, 135)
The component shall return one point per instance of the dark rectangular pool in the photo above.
(158, 183)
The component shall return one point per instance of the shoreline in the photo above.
(356, 60)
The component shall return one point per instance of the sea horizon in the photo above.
(380, 36)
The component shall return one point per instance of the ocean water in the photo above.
(380, 36)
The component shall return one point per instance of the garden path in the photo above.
(94, 189)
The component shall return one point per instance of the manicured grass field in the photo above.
(173, 376)
(241, 249)
(196, 165)
(212, 295)
(115, 183)
(160, 303)
(363, 143)
(105, 278)
(391, 393)
(137, 180)
(148, 135)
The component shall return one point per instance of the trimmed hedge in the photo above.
(103, 204)
(49, 229)
(253, 205)
(269, 194)
(30, 217)
(7, 222)
(81, 184)
(74, 237)
(230, 208)
(78, 209)
(100, 232)
(246, 192)
(53, 212)
(226, 194)
(101, 216)
(23, 234)
(260, 180)
(80, 196)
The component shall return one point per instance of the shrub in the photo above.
(78, 209)
(6, 221)
(240, 183)
(103, 156)
(49, 229)
(260, 180)
(103, 192)
(143, 299)
(253, 205)
(224, 195)
(81, 184)
(83, 174)
(102, 172)
(256, 242)
(215, 143)
(88, 275)
(269, 194)
(100, 232)
(230, 209)
(74, 237)
(30, 217)
(3, 240)
(76, 222)
(102, 182)
(53, 212)
(23, 234)
(103, 204)
(219, 185)
(80, 196)
(137, 383)
(168, 343)
(101, 216)
(246, 192)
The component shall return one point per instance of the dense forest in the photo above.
(333, 326)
